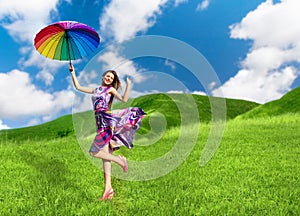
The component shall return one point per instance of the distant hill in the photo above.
(57, 128)
(289, 103)
(165, 104)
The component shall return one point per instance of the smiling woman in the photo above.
(114, 129)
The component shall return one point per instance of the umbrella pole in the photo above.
(68, 47)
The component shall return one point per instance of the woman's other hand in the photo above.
(128, 80)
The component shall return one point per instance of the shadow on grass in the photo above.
(52, 169)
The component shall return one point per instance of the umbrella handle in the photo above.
(71, 67)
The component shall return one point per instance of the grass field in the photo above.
(255, 171)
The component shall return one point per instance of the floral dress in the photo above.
(116, 128)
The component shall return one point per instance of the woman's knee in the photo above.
(93, 154)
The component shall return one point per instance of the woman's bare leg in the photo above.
(107, 171)
(106, 155)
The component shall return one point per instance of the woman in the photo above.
(113, 129)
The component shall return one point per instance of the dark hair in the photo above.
(116, 83)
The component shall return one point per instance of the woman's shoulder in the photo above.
(111, 89)
(98, 89)
(103, 89)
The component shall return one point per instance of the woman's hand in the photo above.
(76, 83)
(128, 80)
(71, 68)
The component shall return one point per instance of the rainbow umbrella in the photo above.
(66, 40)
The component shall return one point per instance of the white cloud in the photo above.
(178, 2)
(175, 92)
(21, 98)
(269, 69)
(171, 64)
(82, 102)
(47, 67)
(89, 79)
(46, 77)
(32, 122)
(135, 94)
(3, 126)
(23, 19)
(186, 92)
(203, 5)
(212, 85)
(262, 88)
(270, 25)
(122, 20)
(199, 93)
(124, 67)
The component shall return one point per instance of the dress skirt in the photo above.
(116, 128)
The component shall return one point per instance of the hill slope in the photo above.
(289, 103)
(57, 128)
(166, 104)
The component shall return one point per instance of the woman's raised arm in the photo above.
(123, 98)
(76, 83)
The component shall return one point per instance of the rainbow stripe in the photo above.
(66, 40)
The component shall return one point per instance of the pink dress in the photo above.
(114, 128)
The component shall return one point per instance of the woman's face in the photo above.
(108, 78)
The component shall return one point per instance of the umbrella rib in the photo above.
(49, 45)
(86, 44)
(68, 46)
(82, 46)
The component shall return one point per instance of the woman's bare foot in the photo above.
(107, 194)
(124, 163)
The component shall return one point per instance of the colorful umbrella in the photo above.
(66, 40)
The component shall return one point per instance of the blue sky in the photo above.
(252, 46)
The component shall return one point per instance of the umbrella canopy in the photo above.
(66, 40)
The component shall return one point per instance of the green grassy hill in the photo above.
(57, 128)
(163, 103)
(289, 103)
(255, 170)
